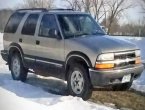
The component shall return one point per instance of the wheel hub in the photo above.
(16, 66)
(77, 82)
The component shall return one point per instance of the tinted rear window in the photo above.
(14, 22)
(30, 24)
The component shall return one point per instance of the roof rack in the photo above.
(32, 9)
(61, 9)
(43, 9)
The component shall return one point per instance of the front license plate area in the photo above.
(126, 78)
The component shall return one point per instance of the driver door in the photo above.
(49, 49)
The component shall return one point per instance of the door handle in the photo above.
(20, 40)
(37, 42)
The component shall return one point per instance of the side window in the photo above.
(48, 23)
(14, 22)
(30, 24)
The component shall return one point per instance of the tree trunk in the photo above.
(109, 27)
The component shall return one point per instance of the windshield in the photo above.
(77, 25)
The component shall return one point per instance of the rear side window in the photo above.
(30, 24)
(14, 22)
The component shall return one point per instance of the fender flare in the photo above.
(78, 54)
(15, 46)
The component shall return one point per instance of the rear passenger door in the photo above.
(27, 38)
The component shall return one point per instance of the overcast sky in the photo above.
(131, 15)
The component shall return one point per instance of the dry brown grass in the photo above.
(127, 99)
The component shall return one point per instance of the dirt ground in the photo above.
(125, 99)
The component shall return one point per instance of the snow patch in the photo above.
(26, 95)
(9, 101)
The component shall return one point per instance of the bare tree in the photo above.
(99, 9)
(116, 8)
(143, 5)
(94, 7)
(74, 4)
(105, 16)
(79, 5)
(133, 28)
(87, 4)
(38, 4)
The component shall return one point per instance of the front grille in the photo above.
(128, 58)
(125, 55)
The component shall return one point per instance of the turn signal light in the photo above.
(104, 66)
(138, 60)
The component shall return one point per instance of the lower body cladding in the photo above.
(115, 76)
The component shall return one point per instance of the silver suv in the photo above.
(69, 45)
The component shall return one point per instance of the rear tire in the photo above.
(18, 71)
(122, 87)
(79, 82)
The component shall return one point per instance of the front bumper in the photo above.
(114, 76)
(4, 55)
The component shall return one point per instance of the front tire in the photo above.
(78, 82)
(18, 71)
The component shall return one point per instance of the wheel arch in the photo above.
(76, 56)
(15, 48)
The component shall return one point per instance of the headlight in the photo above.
(106, 57)
(100, 64)
(137, 53)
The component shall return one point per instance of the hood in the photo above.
(104, 43)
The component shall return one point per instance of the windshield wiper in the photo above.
(81, 34)
(99, 33)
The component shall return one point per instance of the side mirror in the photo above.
(104, 28)
(54, 33)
